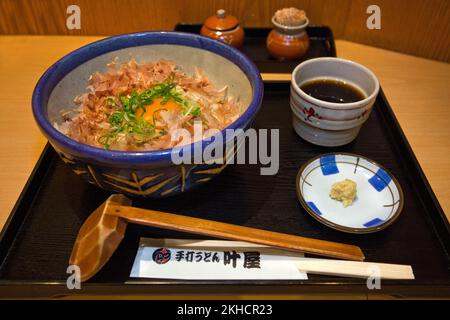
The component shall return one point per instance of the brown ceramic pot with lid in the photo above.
(224, 28)
(286, 42)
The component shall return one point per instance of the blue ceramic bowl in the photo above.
(151, 173)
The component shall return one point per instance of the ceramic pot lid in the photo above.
(221, 21)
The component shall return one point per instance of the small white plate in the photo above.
(379, 197)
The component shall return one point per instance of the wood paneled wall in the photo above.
(419, 27)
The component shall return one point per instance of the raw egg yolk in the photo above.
(156, 106)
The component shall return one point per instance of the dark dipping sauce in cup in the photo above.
(333, 90)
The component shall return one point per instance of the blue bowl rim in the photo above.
(103, 46)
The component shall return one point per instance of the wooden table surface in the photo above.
(417, 89)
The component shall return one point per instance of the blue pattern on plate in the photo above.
(328, 165)
(373, 223)
(314, 207)
(380, 180)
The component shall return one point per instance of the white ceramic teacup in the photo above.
(332, 116)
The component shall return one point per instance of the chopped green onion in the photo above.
(124, 120)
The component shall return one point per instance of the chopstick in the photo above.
(330, 267)
(355, 269)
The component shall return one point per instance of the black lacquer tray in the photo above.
(321, 44)
(37, 240)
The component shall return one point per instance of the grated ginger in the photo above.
(344, 191)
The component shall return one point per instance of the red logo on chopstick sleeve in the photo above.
(161, 255)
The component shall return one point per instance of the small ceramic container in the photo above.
(224, 28)
(379, 197)
(286, 42)
(326, 123)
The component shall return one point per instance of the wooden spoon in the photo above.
(104, 229)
